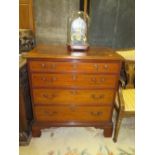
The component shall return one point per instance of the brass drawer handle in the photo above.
(97, 97)
(43, 79)
(97, 81)
(53, 78)
(50, 113)
(93, 80)
(96, 66)
(49, 80)
(43, 65)
(49, 96)
(73, 92)
(97, 113)
(45, 96)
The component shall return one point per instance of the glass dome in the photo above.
(77, 31)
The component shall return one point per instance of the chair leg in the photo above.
(117, 127)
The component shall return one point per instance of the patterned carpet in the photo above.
(81, 141)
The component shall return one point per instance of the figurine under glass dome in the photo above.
(77, 37)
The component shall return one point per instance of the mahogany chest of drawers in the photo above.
(73, 88)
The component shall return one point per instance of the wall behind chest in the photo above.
(112, 23)
(51, 20)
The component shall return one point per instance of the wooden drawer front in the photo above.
(72, 113)
(58, 96)
(73, 80)
(45, 66)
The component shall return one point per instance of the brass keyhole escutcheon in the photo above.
(74, 66)
(72, 107)
(43, 65)
(74, 77)
(105, 66)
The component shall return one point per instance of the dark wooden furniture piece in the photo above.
(26, 19)
(25, 107)
(125, 97)
(73, 88)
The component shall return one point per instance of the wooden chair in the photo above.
(125, 97)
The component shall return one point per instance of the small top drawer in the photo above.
(85, 67)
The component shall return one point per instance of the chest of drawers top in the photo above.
(56, 52)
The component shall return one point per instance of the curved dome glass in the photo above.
(77, 36)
